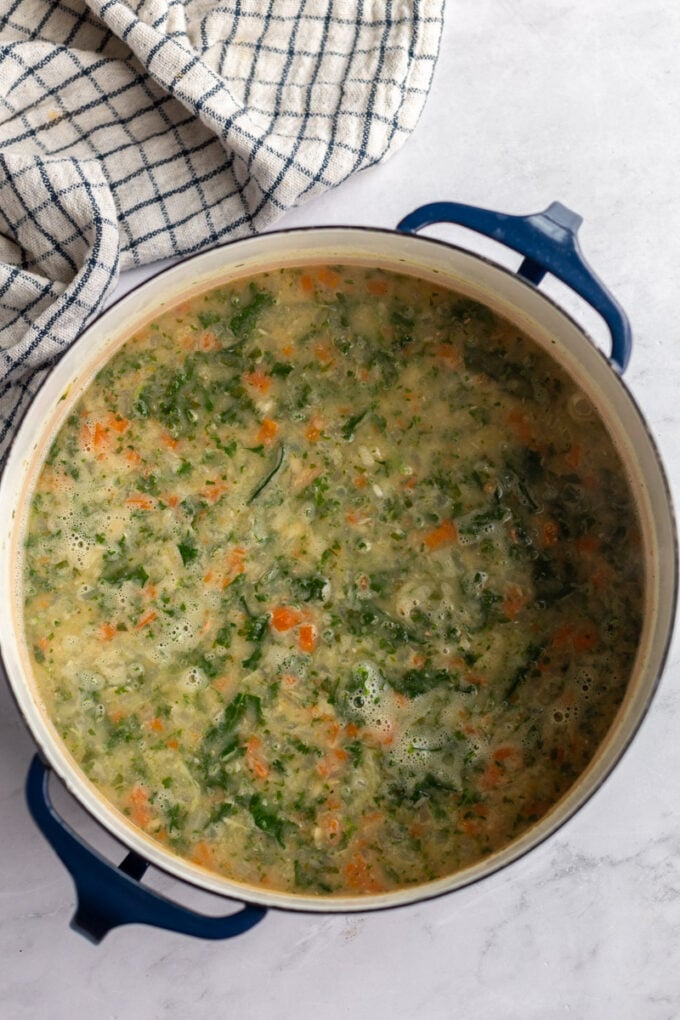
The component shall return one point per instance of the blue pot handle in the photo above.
(110, 896)
(548, 242)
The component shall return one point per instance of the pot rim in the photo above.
(560, 813)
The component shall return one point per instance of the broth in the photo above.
(333, 581)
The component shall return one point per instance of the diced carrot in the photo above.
(361, 877)
(514, 601)
(117, 424)
(173, 744)
(208, 342)
(323, 353)
(357, 517)
(550, 534)
(133, 457)
(254, 760)
(588, 544)
(211, 493)
(139, 804)
(331, 829)
(508, 753)
(377, 287)
(449, 355)
(285, 618)
(156, 725)
(146, 619)
(172, 501)
(202, 854)
(444, 534)
(267, 431)
(107, 632)
(235, 565)
(314, 428)
(259, 380)
(332, 763)
(290, 680)
(94, 437)
(572, 457)
(360, 481)
(307, 283)
(585, 638)
(307, 637)
(44, 644)
(328, 277)
(521, 426)
(100, 437)
(140, 502)
(168, 441)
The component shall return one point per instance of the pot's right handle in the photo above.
(548, 242)
(110, 896)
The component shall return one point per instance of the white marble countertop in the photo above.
(532, 101)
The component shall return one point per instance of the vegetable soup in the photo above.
(333, 581)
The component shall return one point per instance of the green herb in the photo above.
(266, 819)
(278, 463)
(242, 322)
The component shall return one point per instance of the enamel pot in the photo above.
(108, 895)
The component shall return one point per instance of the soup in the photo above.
(333, 581)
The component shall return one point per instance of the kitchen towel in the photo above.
(137, 130)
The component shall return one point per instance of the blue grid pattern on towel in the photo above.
(141, 130)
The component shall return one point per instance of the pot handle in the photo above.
(548, 242)
(109, 896)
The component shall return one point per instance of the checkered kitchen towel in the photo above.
(135, 130)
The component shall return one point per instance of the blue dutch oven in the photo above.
(108, 896)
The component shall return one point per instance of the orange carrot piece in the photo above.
(156, 725)
(285, 618)
(572, 457)
(100, 437)
(377, 287)
(450, 355)
(107, 632)
(585, 638)
(444, 534)
(521, 426)
(267, 431)
(360, 876)
(117, 424)
(145, 620)
(514, 601)
(140, 502)
(587, 544)
(307, 637)
(328, 277)
(235, 565)
(259, 380)
(254, 760)
(324, 354)
(307, 283)
(139, 804)
(550, 534)
(202, 854)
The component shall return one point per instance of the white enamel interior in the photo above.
(496, 287)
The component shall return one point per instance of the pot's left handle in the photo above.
(110, 896)
(549, 243)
